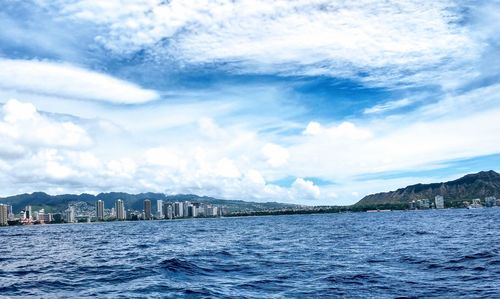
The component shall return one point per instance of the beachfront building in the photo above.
(4, 215)
(99, 207)
(439, 202)
(120, 210)
(70, 215)
(147, 209)
(159, 209)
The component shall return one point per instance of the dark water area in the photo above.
(435, 253)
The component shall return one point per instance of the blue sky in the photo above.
(313, 102)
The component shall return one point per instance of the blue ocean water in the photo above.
(435, 253)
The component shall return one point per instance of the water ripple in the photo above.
(450, 254)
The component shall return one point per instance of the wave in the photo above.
(178, 265)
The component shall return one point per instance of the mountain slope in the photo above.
(481, 184)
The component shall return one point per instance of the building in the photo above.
(159, 209)
(70, 215)
(147, 209)
(185, 207)
(209, 211)
(47, 218)
(178, 210)
(99, 213)
(10, 213)
(490, 201)
(168, 210)
(439, 202)
(192, 211)
(28, 214)
(120, 210)
(40, 216)
(4, 215)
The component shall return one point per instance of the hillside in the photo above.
(484, 183)
(132, 201)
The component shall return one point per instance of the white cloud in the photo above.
(226, 168)
(23, 125)
(408, 41)
(346, 130)
(388, 106)
(68, 81)
(303, 190)
(313, 128)
(275, 154)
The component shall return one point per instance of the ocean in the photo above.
(404, 254)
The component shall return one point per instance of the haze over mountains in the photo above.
(477, 185)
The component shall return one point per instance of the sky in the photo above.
(310, 102)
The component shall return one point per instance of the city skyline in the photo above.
(299, 102)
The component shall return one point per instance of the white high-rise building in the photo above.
(4, 215)
(70, 215)
(99, 206)
(120, 210)
(159, 208)
(170, 212)
(439, 201)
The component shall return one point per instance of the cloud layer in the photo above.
(64, 80)
(378, 42)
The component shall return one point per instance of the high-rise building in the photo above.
(159, 209)
(10, 213)
(4, 215)
(185, 209)
(170, 212)
(147, 209)
(99, 206)
(439, 201)
(209, 211)
(191, 211)
(29, 216)
(178, 209)
(70, 215)
(120, 210)
(40, 216)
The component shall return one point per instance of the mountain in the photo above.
(55, 203)
(477, 185)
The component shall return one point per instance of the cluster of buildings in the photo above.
(27, 216)
(83, 212)
(164, 210)
(489, 201)
(423, 204)
(438, 203)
